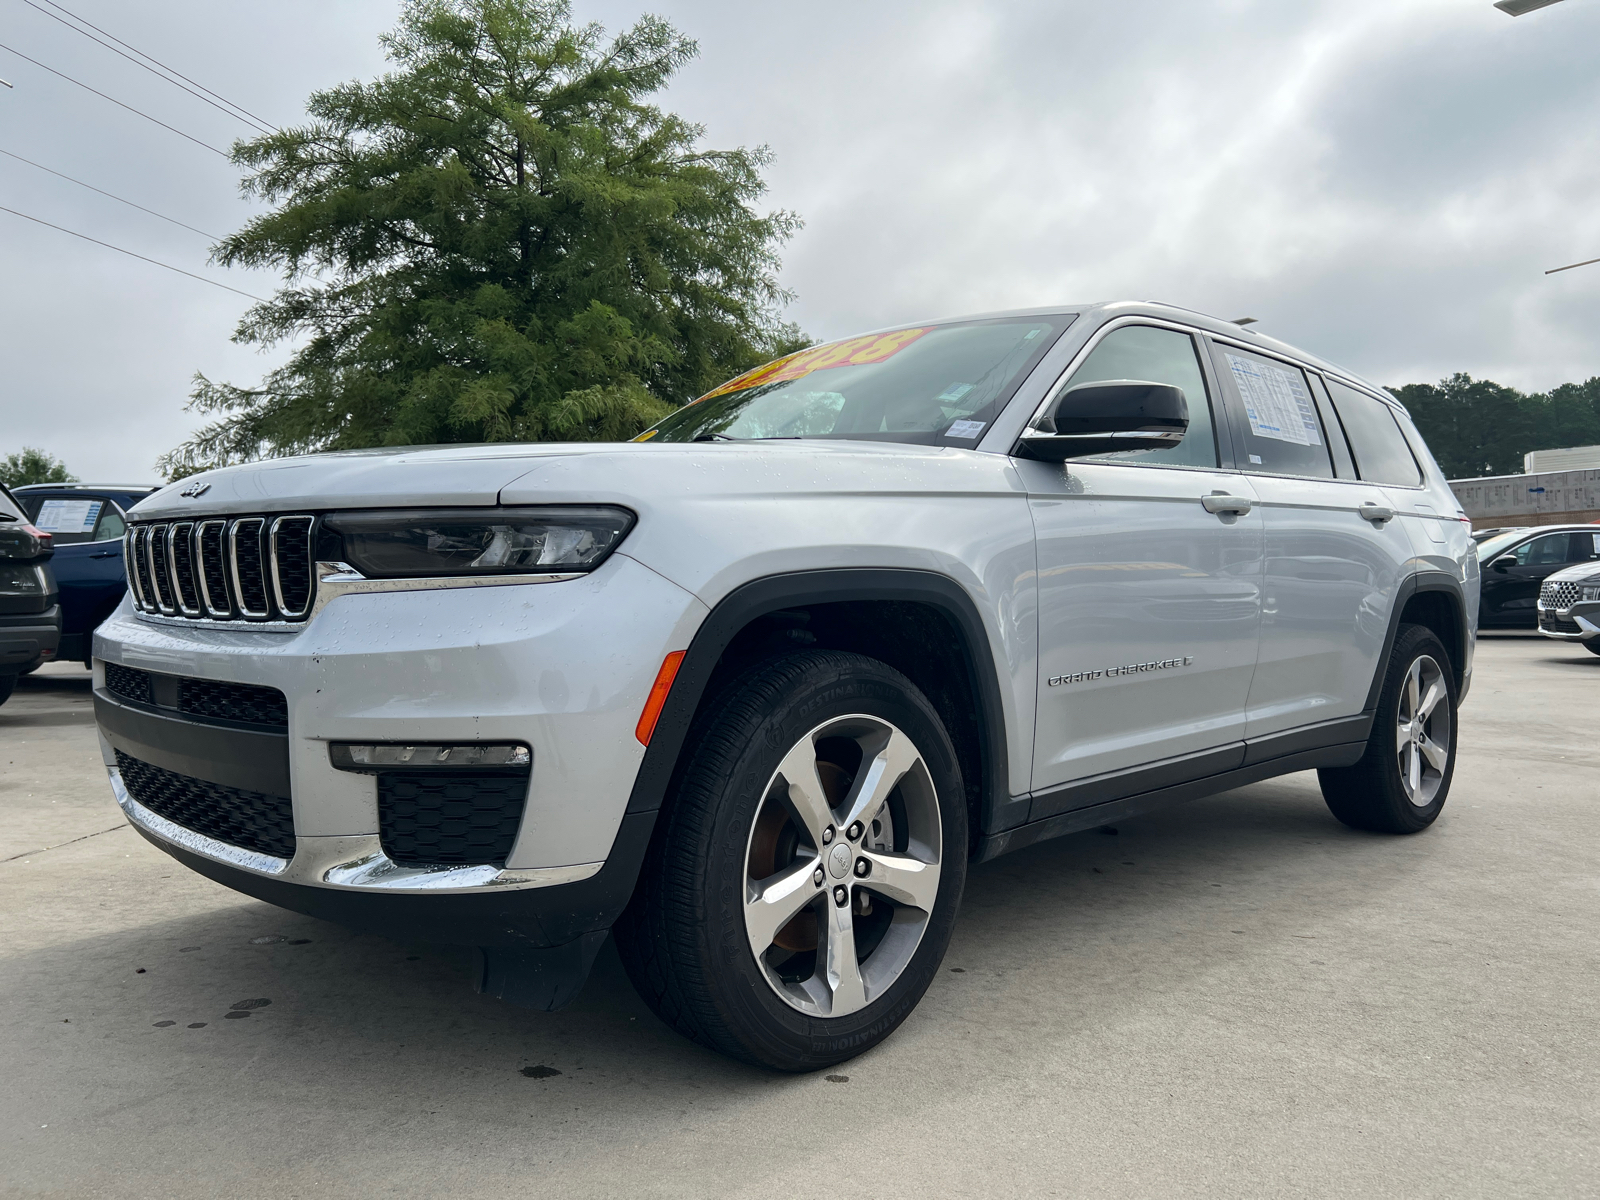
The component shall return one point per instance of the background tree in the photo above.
(500, 240)
(1478, 427)
(33, 466)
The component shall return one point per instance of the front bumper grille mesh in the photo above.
(430, 818)
(1551, 623)
(246, 568)
(208, 699)
(249, 820)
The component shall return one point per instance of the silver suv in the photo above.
(753, 692)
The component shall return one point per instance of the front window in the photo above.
(936, 385)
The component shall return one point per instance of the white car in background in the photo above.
(753, 691)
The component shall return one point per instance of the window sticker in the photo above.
(852, 352)
(69, 516)
(954, 392)
(965, 429)
(1275, 401)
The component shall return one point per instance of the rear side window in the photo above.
(1156, 356)
(1275, 420)
(1382, 455)
(70, 518)
(1558, 549)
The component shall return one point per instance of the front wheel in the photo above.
(1592, 645)
(1401, 782)
(802, 885)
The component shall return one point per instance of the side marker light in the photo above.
(658, 697)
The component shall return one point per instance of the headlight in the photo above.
(494, 541)
(1589, 592)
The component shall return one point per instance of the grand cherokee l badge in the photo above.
(1160, 664)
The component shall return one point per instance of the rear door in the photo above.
(1333, 567)
(1149, 604)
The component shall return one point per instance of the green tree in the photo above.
(1479, 427)
(500, 240)
(33, 466)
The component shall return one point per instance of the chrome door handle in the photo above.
(1376, 513)
(1221, 502)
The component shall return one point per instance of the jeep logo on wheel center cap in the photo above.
(839, 859)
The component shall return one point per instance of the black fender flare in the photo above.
(774, 593)
(1412, 585)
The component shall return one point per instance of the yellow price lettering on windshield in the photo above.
(852, 352)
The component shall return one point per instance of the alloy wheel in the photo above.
(842, 866)
(1422, 733)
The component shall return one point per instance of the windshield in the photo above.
(1489, 547)
(938, 385)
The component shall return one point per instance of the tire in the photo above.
(1592, 645)
(1380, 792)
(7, 683)
(769, 775)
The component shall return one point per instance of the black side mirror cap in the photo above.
(1107, 416)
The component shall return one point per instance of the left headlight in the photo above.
(414, 543)
(1590, 591)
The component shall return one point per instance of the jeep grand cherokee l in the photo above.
(752, 692)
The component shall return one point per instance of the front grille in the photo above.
(233, 702)
(250, 820)
(129, 683)
(1550, 622)
(1559, 595)
(248, 568)
(429, 818)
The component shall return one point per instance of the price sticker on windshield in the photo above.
(852, 352)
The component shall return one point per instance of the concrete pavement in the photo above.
(1237, 998)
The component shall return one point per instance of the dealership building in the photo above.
(1558, 487)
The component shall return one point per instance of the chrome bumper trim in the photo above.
(354, 863)
(1586, 628)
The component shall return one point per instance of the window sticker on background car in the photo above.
(69, 516)
(853, 352)
(954, 392)
(965, 429)
(1275, 401)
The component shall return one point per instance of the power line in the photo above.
(258, 120)
(1588, 262)
(224, 107)
(117, 102)
(103, 192)
(131, 254)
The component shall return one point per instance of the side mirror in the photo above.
(1101, 418)
(1505, 560)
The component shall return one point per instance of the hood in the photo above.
(388, 478)
(1588, 572)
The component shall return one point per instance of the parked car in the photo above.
(752, 692)
(1569, 604)
(30, 617)
(1517, 562)
(87, 522)
(1483, 535)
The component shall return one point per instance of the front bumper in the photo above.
(1579, 623)
(564, 668)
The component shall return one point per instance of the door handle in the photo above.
(1376, 513)
(106, 554)
(1221, 502)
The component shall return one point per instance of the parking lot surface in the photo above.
(1239, 997)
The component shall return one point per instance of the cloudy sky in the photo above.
(1380, 181)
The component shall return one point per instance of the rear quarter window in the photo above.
(1380, 449)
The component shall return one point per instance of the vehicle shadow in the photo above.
(354, 1012)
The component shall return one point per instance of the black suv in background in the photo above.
(30, 618)
(86, 523)
(1517, 561)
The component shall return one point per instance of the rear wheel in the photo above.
(803, 882)
(1401, 782)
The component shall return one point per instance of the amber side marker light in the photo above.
(658, 697)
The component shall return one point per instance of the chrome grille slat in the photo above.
(180, 563)
(160, 580)
(249, 580)
(212, 575)
(247, 569)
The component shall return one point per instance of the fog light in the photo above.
(355, 756)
